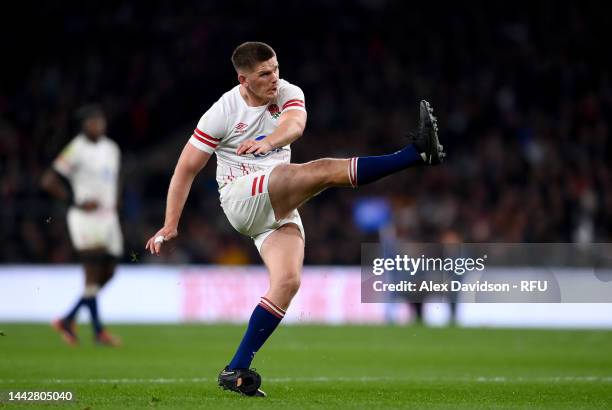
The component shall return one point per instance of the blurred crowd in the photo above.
(523, 96)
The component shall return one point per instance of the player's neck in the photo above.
(92, 138)
(251, 99)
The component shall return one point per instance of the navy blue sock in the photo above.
(72, 314)
(92, 304)
(363, 170)
(264, 320)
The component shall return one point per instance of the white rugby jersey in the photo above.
(230, 121)
(92, 169)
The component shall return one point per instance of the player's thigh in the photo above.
(283, 254)
(291, 185)
(110, 265)
(93, 261)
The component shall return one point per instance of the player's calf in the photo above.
(284, 290)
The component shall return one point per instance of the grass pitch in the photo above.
(175, 367)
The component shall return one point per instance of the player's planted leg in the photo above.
(102, 336)
(283, 254)
(66, 325)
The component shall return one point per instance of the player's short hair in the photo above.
(89, 111)
(248, 54)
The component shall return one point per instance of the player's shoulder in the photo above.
(285, 86)
(289, 94)
(76, 143)
(73, 149)
(229, 101)
(111, 143)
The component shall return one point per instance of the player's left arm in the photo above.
(291, 125)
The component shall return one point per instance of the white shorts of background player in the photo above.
(98, 229)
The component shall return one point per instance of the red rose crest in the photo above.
(274, 110)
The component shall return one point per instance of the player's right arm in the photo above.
(190, 163)
(211, 129)
(53, 184)
(55, 179)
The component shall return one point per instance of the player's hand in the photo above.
(260, 147)
(88, 205)
(155, 242)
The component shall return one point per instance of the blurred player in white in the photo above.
(85, 175)
(250, 129)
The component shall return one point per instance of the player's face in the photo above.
(95, 127)
(263, 80)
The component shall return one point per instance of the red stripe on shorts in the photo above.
(261, 184)
(254, 186)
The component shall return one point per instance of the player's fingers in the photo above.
(263, 149)
(151, 245)
(157, 247)
(158, 240)
(253, 148)
(152, 240)
(242, 147)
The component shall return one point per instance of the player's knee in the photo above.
(322, 169)
(289, 284)
(285, 172)
(106, 277)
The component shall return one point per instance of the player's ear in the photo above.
(242, 79)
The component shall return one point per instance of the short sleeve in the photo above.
(211, 129)
(66, 161)
(291, 97)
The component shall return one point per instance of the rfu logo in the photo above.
(267, 153)
(240, 128)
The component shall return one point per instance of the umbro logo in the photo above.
(241, 127)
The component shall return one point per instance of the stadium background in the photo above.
(524, 97)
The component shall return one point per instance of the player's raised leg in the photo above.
(293, 184)
(283, 255)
